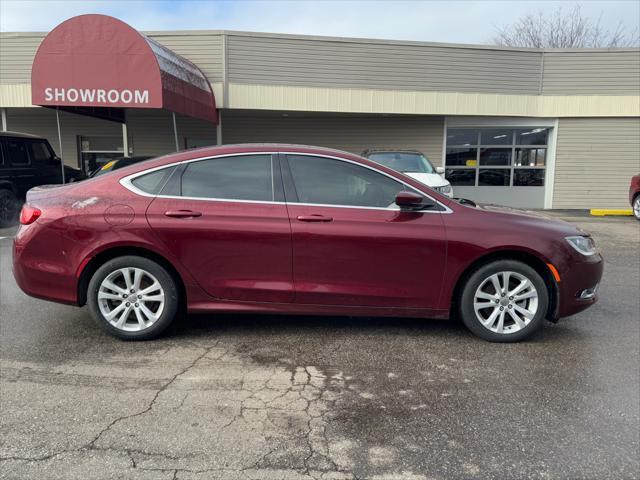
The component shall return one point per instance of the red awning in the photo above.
(99, 61)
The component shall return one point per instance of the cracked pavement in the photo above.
(275, 397)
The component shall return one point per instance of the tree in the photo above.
(564, 29)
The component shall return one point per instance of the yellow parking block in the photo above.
(601, 212)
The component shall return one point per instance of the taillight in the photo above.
(29, 214)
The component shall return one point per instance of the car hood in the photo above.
(533, 218)
(429, 179)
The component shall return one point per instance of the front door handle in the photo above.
(314, 218)
(182, 214)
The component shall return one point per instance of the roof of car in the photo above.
(20, 135)
(390, 150)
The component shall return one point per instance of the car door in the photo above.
(18, 164)
(225, 220)
(46, 168)
(352, 245)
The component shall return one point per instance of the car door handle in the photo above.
(314, 218)
(182, 214)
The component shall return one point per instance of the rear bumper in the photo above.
(578, 286)
(39, 276)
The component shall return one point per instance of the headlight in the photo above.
(584, 245)
(444, 189)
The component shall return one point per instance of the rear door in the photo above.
(351, 243)
(225, 220)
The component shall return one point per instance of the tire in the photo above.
(636, 207)
(141, 315)
(480, 290)
(8, 208)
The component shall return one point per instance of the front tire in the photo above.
(504, 301)
(133, 298)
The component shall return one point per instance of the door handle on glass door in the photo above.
(314, 218)
(182, 214)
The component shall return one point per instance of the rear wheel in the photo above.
(133, 298)
(8, 208)
(504, 301)
(636, 207)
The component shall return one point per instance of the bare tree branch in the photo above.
(564, 29)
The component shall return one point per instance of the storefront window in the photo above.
(517, 157)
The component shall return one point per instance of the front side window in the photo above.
(241, 177)
(40, 152)
(326, 181)
(502, 157)
(16, 153)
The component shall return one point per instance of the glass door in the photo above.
(96, 151)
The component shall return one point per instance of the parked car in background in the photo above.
(634, 195)
(25, 162)
(298, 230)
(412, 163)
(117, 164)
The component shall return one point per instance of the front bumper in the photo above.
(578, 287)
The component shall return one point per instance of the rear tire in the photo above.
(636, 207)
(8, 208)
(133, 298)
(500, 314)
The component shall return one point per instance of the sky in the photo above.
(433, 21)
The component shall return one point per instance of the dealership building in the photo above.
(536, 128)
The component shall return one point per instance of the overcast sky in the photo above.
(434, 21)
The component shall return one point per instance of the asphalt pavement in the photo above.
(277, 397)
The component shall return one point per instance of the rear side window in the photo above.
(152, 182)
(242, 177)
(15, 152)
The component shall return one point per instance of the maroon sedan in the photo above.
(295, 230)
(634, 195)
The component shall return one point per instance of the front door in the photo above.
(352, 245)
(224, 223)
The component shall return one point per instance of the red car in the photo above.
(294, 230)
(634, 195)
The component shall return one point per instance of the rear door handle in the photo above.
(182, 214)
(314, 218)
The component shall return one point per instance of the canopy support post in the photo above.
(175, 131)
(125, 140)
(60, 144)
(4, 119)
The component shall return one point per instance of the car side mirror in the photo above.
(413, 201)
(440, 170)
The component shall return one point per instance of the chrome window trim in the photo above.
(126, 183)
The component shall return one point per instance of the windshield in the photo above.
(107, 167)
(403, 161)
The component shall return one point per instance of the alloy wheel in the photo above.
(636, 207)
(131, 299)
(505, 302)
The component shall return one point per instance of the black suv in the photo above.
(26, 161)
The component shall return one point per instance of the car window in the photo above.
(242, 177)
(328, 181)
(40, 151)
(152, 182)
(403, 161)
(16, 152)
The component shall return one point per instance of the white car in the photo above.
(415, 164)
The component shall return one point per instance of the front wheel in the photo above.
(133, 298)
(636, 207)
(504, 301)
